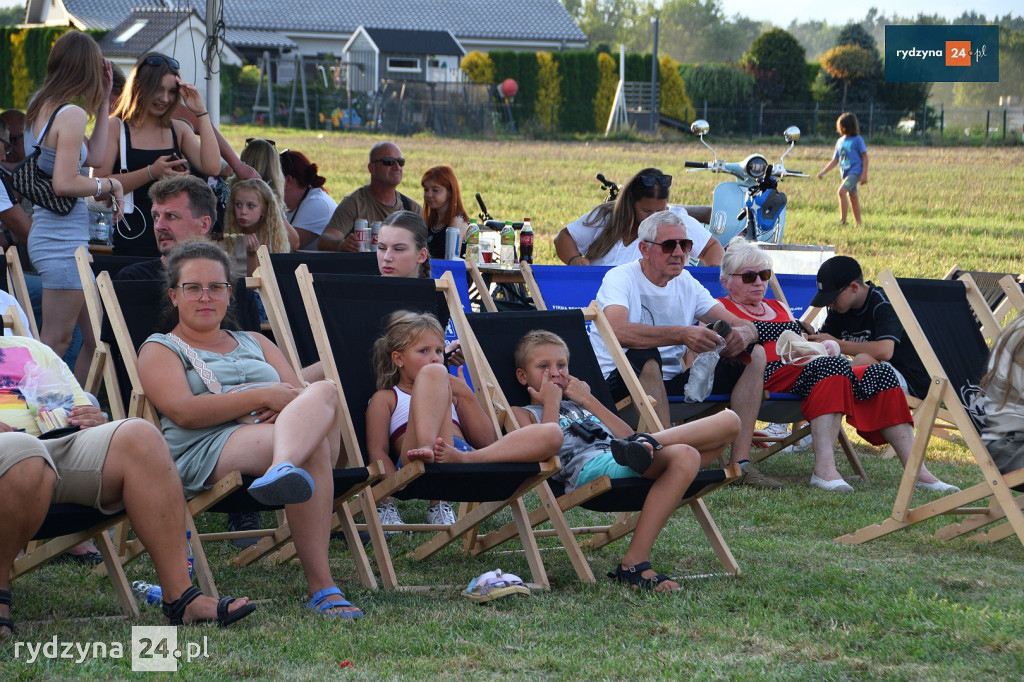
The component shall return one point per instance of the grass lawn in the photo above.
(904, 607)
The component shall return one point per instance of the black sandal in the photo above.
(175, 610)
(5, 600)
(631, 576)
(632, 454)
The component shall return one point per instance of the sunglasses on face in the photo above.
(250, 140)
(749, 276)
(669, 246)
(391, 161)
(157, 60)
(650, 180)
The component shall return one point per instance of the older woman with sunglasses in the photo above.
(869, 396)
(608, 234)
(157, 145)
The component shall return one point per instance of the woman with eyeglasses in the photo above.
(869, 396)
(286, 433)
(75, 71)
(608, 234)
(309, 205)
(156, 144)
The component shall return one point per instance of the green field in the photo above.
(905, 607)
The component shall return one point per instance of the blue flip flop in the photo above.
(319, 603)
(284, 484)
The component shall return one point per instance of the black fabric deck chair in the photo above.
(939, 317)
(132, 318)
(283, 302)
(989, 286)
(496, 336)
(345, 327)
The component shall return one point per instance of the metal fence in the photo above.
(467, 109)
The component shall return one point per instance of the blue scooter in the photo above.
(752, 205)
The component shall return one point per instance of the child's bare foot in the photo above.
(447, 453)
(425, 454)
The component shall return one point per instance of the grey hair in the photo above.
(648, 230)
(740, 254)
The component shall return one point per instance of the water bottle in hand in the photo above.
(702, 372)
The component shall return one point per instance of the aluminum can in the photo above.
(452, 243)
(374, 234)
(362, 232)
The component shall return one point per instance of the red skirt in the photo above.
(835, 394)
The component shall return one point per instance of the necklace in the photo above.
(759, 313)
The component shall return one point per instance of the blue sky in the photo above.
(781, 13)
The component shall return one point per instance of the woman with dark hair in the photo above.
(309, 206)
(442, 208)
(608, 234)
(279, 429)
(156, 144)
(75, 71)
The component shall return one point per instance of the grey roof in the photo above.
(392, 40)
(247, 37)
(481, 19)
(159, 22)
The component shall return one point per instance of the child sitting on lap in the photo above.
(597, 442)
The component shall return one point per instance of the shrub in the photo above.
(549, 91)
(674, 101)
(608, 80)
(478, 67)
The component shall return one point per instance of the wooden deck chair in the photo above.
(275, 281)
(345, 328)
(1014, 291)
(939, 318)
(989, 285)
(18, 288)
(495, 336)
(134, 300)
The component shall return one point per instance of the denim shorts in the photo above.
(850, 183)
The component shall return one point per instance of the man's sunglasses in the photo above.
(669, 245)
(158, 59)
(390, 161)
(250, 140)
(749, 276)
(650, 180)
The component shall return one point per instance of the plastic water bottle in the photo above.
(526, 242)
(473, 242)
(99, 230)
(147, 593)
(188, 551)
(508, 246)
(702, 372)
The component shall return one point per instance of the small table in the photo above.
(501, 275)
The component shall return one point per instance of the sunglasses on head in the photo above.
(669, 245)
(749, 276)
(157, 60)
(391, 161)
(650, 180)
(250, 140)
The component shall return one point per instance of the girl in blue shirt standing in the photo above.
(851, 156)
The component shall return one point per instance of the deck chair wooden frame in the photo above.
(995, 486)
(486, 300)
(19, 289)
(990, 286)
(101, 370)
(228, 494)
(601, 491)
(519, 480)
(1014, 293)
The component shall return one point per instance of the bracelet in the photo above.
(111, 193)
(99, 189)
(578, 255)
(202, 114)
(149, 170)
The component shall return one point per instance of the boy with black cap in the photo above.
(863, 322)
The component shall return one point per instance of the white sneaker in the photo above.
(441, 514)
(779, 431)
(938, 487)
(387, 512)
(802, 445)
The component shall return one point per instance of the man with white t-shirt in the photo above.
(652, 304)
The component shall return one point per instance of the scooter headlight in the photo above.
(755, 165)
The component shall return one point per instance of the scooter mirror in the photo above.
(792, 134)
(701, 127)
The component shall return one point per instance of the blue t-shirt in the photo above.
(849, 151)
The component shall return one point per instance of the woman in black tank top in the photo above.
(156, 144)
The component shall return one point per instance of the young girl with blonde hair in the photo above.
(1003, 434)
(254, 218)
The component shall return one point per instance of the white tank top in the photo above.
(400, 417)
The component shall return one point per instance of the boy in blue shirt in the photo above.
(851, 155)
(597, 442)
